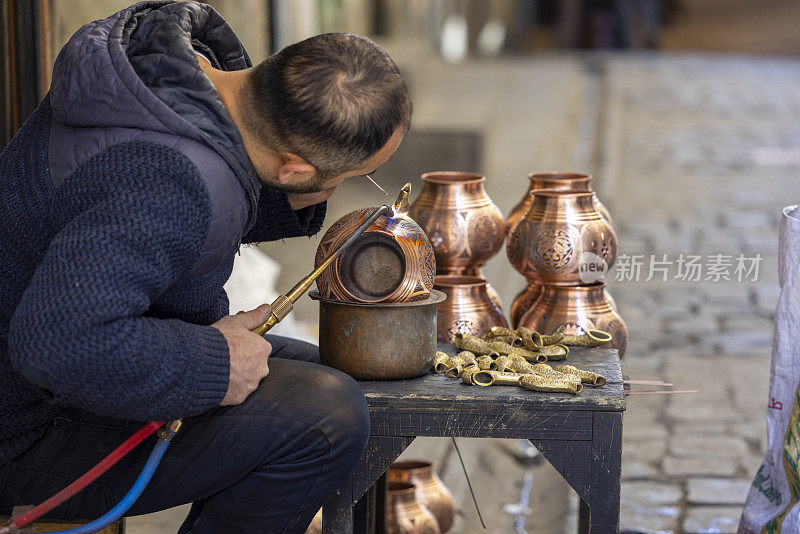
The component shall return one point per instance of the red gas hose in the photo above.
(86, 479)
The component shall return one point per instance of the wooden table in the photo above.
(581, 436)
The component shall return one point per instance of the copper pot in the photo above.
(465, 227)
(467, 308)
(404, 515)
(316, 524)
(575, 310)
(524, 301)
(393, 261)
(430, 491)
(385, 341)
(550, 245)
(561, 181)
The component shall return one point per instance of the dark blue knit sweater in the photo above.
(115, 241)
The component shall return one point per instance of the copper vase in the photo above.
(562, 239)
(316, 524)
(467, 308)
(576, 309)
(393, 261)
(561, 181)
(430, 491)
(524, 301)
(465, 227)
(404, 515)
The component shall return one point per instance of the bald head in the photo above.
(333, 99)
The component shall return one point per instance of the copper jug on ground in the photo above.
(467, 308)
(575, 310)
(431, 492)
(524, 301)
(561, 181)
(404, 515)
(393, 261)
(562, 239)
(465, 227)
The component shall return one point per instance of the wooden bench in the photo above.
(581, 436)
(53, 525)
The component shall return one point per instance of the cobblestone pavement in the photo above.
(693, 155)
(699, 154)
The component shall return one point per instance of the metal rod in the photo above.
(282, 305)
(376, 184)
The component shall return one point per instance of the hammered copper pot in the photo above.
(430, 491)
(576, 309)
(467, 308)
(561, 233)
(524, 301)
(465, 227)
(404, 515)
(561, 181)
(393, 261)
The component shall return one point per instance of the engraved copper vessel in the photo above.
(575, 310)
(393, 261)
(524, 301)
(404, 515)
(465, 227)
(561, 234)
(467, 309)
(430, 491)
(561, 181)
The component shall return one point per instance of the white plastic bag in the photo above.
(773, 503)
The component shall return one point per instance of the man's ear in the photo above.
(294, 167)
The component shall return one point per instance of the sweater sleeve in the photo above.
(277, 220)
(132, 221)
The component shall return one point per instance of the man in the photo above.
(158, 151)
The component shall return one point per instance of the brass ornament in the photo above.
(587, 377)
(546, 371)
(441, 362)
(590, 338)
(535, 382)
(486, 363)
(473, 344)
(502, 362)
(555, 352)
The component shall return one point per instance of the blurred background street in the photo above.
(687, 113)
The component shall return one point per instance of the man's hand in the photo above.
(249, 353)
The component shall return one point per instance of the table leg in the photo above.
(593, 469)
(337, 514)
(601, 513)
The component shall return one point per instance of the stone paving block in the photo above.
(638, 432)
(636, 470)
(692, 429)
(712, 519)
(692, 326)
(649, 520)
(651, 450)
(703, 467)
(707, 447)
(650, 493)
(716, 491)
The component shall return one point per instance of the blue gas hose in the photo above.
(132, 495)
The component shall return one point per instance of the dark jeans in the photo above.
(266, 465)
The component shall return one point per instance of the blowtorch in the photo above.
(279, 309)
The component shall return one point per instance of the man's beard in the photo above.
(315, 184)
